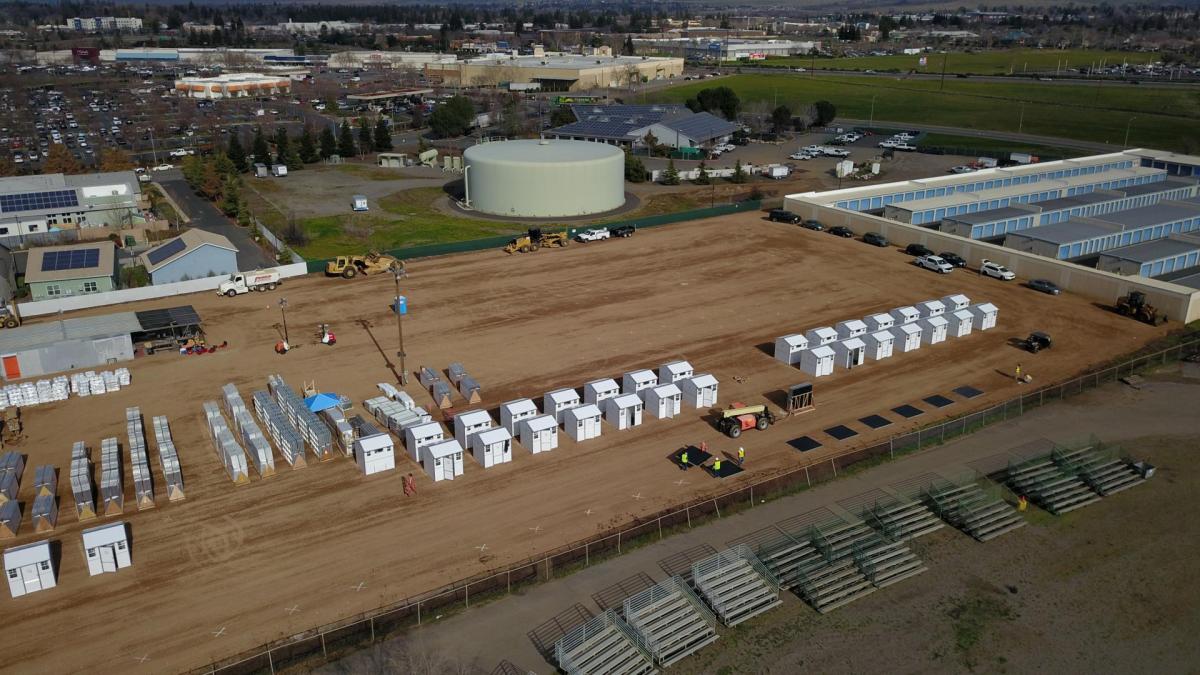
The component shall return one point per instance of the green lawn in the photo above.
(1161, 118)
(996, 145)
(997, 62)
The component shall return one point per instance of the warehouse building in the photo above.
(88, 342)
(674, 126)
(749, 50)
(556, 72)
(1089, 236)
(45, 203)
(195, 254)
(233, 85)
(1153, 258)
(64, 271)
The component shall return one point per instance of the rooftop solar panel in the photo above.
(77, 259)
(165, 251)
(32, 201)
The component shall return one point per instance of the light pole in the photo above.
(283, 311)
(1127, 127)
(398, 272)
(1021, 119)
(872, 122)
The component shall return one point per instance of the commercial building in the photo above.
(195, 254)
(35, 204)
(78, 269)
(627, 125)
(556, 72)
(379, 59)
(751, 50)
(100, 24)
(318, 27)
(233, 85)
(41, 349)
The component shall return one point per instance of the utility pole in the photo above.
(942, 85)
(1128, 125)
(283, 310)
(1021, 120)
(872, 122)
(398, 272)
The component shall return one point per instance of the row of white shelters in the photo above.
(30, 568)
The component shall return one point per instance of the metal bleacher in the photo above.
(1046, 484)
(971, 509)
(736, 585)
(672, 621)
(1101, 469)
(899, 519)
(603, 645)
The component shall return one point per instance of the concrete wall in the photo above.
(203, 261)
(1178, 302)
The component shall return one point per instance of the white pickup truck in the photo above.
(244, 282)
(594, 234)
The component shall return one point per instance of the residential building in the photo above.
(78, 269)
(195, 254)
(36, 204)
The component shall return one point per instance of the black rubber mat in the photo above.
(696, 456)
(907, 411)
(728, 468)
(841, 432)
(967, 392)
(937, 401)
(804, 443)
(875, 421)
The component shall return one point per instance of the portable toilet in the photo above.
(788, 347)
(908, 337)
(817, 361)
(106, 548)
(582, 423)
(879, 344)
(443, 460)
(623, 411)
(906, 314)
(512, 412)
(700, 391)
(359, 203)
(985, 315)
(663, 401)
(931, 308)
(559, 401)
(851, 328)
(637, 380)
(956, 302)
(850, 353)
(469, 423)
(878, 322)
(375, 453)
(673, 372)
(417, 436)
(492, 447)
(539, 434)
(821, 336)
(597, 391)
(933, 329)
(29, 568)
(961, 322)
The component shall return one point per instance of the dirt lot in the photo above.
(234, 566)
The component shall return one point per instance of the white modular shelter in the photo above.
(663, 401)
(850, 353)
(442, 460)
(985, 315)
(700, 391)
(956, 302)
(559, 401)
(624, 411)
(879, 344)
(908, 337)
(961, 323)
(582, 423)
(878, 322)
(818, 337)
(931, 308)
(789, 347)
(597, 391)
(375, 453)
(419, 435)
(106, 548)
(29, 568)
(851, 328)
(469, 423)
(512, 412)
(817, 361)
(492, 447)
(539, 434)
(637, 380)
(906, 314)
(933, 329)
(673, 372)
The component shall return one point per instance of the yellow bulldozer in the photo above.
(350, 266)
(536, 239)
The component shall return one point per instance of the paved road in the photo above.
(205, 216)
(482, 636)
(983, 133)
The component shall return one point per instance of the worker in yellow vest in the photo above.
(741, 456)
(683, 460)
(717, 465)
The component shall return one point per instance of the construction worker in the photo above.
(1022, 503)
(683, 460)
(717, 465)
(1018, 372)
(741, 455)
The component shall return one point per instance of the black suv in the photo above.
(953, 259)
(841, 231)
(622, 230)
(783, 216)
(875, 239)
(917, 250)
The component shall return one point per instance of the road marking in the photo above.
(293, 609)
(219, 632)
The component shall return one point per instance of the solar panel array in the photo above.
(78, 259)
(32, 201)
(166, 251)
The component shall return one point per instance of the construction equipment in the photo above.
(9, 317)
(741, 417)
(1037, 341)
(536, 239)
(350, 266)
(1136, 306)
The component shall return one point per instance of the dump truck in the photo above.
(1135, 305)
(244, 282)
(741, 417)
(536, 239)
(350, 266)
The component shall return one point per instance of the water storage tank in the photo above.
(544, 178)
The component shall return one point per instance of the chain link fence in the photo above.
(329, 641)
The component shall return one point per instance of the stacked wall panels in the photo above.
(231, 454)
(304, 420)
(257, 447)
(112, 492)
(172, 473)
(143, 480)
(394, 415)
(81, 482)
(286, 438)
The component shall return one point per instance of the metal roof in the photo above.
(1153, 250)
(173, 249)
(1155, 214)
(1170, 183)
(1189, 277)
(617, 121)
(1067, 232)
(105, 265)
(701, 126)
(540, 151)
(1002, 213)
(49, 333)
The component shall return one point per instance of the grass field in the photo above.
(975, 143)
(999, 62)
(1162, 118)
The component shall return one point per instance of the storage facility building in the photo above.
(635, 381)
(789, 347)
(442, 460)
(673, 372)
(582, 423)
(469, 423)
(623, 411)
(934, 329)
(880, 344)
(374, 452)
(961, 323)
(491, 447)
(420, 435)
(931, 308)
(849, 353)
(559, 401)
(817, 361)
(107, 548)
(663, 401)
(822, 336)
(1153, 258)
(908, 337)
(1089, 236)
(851, 329)
(956, 302)
(985, 315)
(512, 412)
(906, 314)
(878, 322)
(597, 391)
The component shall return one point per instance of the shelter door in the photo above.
(31, 578)
(12, 369)
(708, 397)
(108, 559)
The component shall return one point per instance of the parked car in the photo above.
(875, 239)
(814, 225)
(783, 216)
(1045, 286)
(962, 168)
(935, 263)
(594, 234)
(622, 231)
(904, 147)
(842, 231)
(953, 258)
(836, 152)
(996, 270)
(917, 249)
(802, 156)
(163, 167)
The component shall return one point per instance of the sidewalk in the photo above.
(503, 630)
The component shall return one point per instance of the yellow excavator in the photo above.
(536, 239)
(350, 266)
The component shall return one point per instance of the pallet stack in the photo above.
(231, 454)
(398, 395)
(172, 473)
(304, 420)
(394, 416)
(143, 479)
(286, 438)
(81, 482)
(256, 443)
(112, 491)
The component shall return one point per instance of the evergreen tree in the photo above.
(383, 135)
(328, 143)
(308, 147)
(231, 196)
(739, 174)
(224, 167)
(366, 139)
(671, 175)
(236, 153)
(281, 145)
(345, 146)
(702, 177)
(291, 158)
(262, 151)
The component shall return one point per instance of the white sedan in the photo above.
(962, 168)
(163, 167)
(800, 155)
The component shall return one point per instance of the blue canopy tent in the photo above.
(323, 401)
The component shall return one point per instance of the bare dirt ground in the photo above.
(235, 566)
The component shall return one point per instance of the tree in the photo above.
(781, 118)
(383, 135)
(231, 197)
(308, 147)
(825, 111)
(259, 147)
(739, 174)
(7, 168)
(702, 177)
(887, 24)
(653, 147)
(561, 116)
(236, 153)
(60, 160)
(671, 175)
(282, 145)
(635, 170)
(328, 143)
(115, 160)
(452, 118)
(210, 181)
(193, 171)
(224, 167)
(716, 99)
(418, 116)
(366, 139)
(630, 50)
(345, 146)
